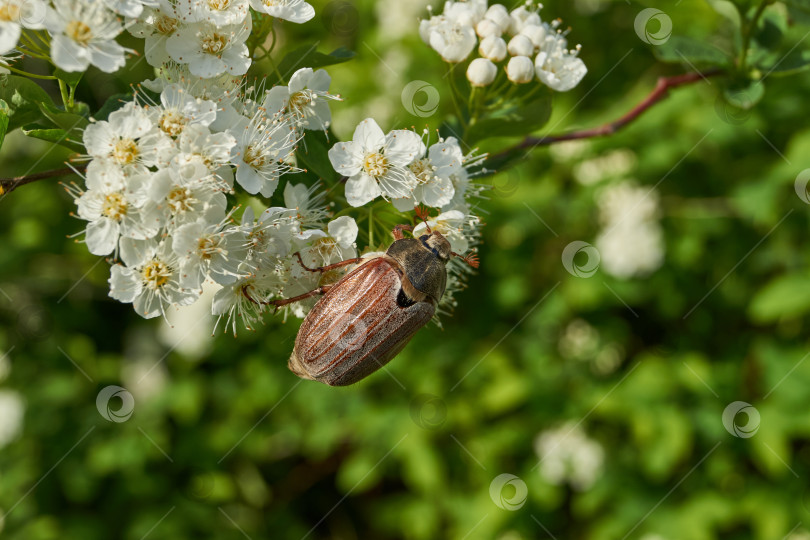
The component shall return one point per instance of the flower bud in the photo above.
(522, 17)
(493, 48)
(487, 28)
(481, 72)
(498, 14)
(520, 69)
(520, 45)
(537, 33)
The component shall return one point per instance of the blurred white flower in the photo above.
(83, 32)
(568, 455)
(16, 15)
(375, 163)
(522, 17)
(155, 25)
(305, 99)
(335, 244)
(558, 68)
(631, 243)
(297, 11)
(12, 411)
(217, 12)
(211, 50)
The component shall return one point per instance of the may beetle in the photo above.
(367, 317)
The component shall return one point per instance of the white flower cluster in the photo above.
(568, 455)
(206, 36)
(157, 178)
(534, 48)
(632, 240)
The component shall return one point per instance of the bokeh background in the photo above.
(602, 396)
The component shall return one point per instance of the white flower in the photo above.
(452, 226)
(558, 68)
(376, 164)
(522, 17)
(128, 8)
(493, 48)
(155, 25)
(520, 45)
(209, 250)
(308, 205)
(468, 13)
(197, 144)
(270, 236)
(335, 245)
(260, 149)
(15, 15)
(567, 454)
(12, 411)
(217, 12)
(83, 32)
(520, 69)
(113, 205)
(481, 72)
(211, 50)
(297, 11)
(179, 109)
(304, 99)
(154, 284)
(453, 41)
(183, 193)
(128, 139)
(434, 174)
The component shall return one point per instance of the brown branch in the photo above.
(661, 91)
(7, 185)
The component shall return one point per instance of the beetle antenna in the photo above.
(423, 213)
(470, 258)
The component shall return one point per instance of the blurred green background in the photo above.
(604, 396)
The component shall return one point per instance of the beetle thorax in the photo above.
(439, 244)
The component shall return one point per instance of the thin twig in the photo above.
(660, 92)
(7, 185)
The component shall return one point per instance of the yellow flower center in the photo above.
(299, 101)
(172, 122)
(423, 170)
(125, 151)
(254, 158)
(207, 246)
(10, 12)
(219, 5)
(155, 274)
(79, 32)
(180, 200)
(326, 247)
(375, 164)
(214, 43)
(165, 25)
(114, 206)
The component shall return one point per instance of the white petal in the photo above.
(68, 55)
(344, 230)
(361, 189)
(346, 158)
(369, 136)
(402, 146)
(125, 284)
(102, 236)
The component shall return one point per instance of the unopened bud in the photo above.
(520, 45)
(487, 28)
(481, 72)
(493, 48)
(520, 69)
(498, 14)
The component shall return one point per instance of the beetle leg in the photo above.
(328, 266)
(397, 232)
(284, 301)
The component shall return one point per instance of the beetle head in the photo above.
(438, 244)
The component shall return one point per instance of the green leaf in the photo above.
(4, 116)
(113, 103)
(744, 96)
(65, 120)
(681, 49)
(71, 78)
(785, 297)
(24, 97)
(772, 28)
(53, 135)
(794, 62)
(517, 122)
(308, 56)
(313, 154)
